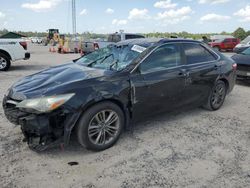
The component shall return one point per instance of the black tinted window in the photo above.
(114, 38)
(227, 40)
(164, 57)
(133, 36)
(234, 40)
(195, 53)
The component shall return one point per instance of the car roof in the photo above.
(147, 42)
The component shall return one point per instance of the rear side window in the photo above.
(227, 40)
(133, 37)
(234, 40)
(195, 53)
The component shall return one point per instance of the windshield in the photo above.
(111, 58)
(246, 52)
(246, 40)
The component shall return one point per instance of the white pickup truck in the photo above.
(12, 50)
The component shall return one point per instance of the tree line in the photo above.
(238, 33)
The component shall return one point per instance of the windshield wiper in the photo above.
(115, 62)
(102, 60)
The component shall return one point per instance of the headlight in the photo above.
(45, 104)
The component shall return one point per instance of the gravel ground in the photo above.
(195, 148)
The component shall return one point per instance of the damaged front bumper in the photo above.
(42, 130)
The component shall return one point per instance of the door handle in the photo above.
(216, 67)
(184, 72)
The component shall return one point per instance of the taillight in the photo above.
(24, 45)
(96, 46)
(234, 66)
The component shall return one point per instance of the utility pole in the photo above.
(74, 17)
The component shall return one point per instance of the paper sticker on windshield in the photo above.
(138, 48)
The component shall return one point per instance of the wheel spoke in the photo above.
(111, 130)
(109, 117)
(98, 137)
(112, 119)
(111, 127)
(103, 137)
(93, 133)
(103, 116)
(97, 118)
(109, 133)
(94, 127)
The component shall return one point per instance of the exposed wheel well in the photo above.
(5, 53)
(117, 102)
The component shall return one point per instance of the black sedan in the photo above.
(243, 64)
(100, 94)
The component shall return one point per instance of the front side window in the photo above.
(164, 57)
(195, 53)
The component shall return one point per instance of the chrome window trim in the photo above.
(164, 69)
(210, 50)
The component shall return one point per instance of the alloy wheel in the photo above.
(218, 95)
(104, 127)
(3, 63)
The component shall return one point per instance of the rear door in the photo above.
(203, 69)
(234, 42)
(228, 44)
(159, 82)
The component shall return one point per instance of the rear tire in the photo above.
(100, 126)
(217, 96)
(4, 62)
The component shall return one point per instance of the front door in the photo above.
(159, 81)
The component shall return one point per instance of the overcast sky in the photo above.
(105, 16)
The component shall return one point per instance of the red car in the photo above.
(224, 44)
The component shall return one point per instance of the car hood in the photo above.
(50, 81)
(241, 59)
(242, 45)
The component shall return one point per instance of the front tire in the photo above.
(217, 96)
(100, 126)
(217, 48)
(4, 62)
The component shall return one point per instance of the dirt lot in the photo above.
(196, 148)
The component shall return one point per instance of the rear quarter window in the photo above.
(196, 53)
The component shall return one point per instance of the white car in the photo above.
(243, 45)
(12, 50)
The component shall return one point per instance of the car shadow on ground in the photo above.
(243, 82)
(27, 67)
(160, 120)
